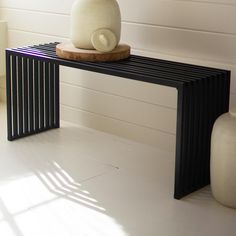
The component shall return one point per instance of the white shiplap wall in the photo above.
(200, 32)
(3, 43)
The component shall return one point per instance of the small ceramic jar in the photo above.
(223, 159)
(95, 24)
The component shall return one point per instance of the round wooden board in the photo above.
(68, 51)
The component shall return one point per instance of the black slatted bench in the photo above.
(203, 95)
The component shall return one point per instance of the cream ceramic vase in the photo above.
(223, 159)
(95, 24)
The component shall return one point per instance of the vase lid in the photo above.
(232, 111)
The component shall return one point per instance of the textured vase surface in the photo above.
(95, 24)
(223, 159)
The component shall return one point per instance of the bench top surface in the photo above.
(135, 67)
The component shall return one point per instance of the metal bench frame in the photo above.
(203, 94)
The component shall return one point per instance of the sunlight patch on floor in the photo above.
(52, 204)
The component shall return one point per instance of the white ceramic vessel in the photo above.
(95, 24)
(223, 159)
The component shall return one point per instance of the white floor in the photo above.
(76, 181)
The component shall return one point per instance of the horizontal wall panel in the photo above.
(65, 6)
(43, 5)
(151, 93)
(20, 38)
(137, 133)
(224, 2)
(181, 14)
(177, 14)
(44, 23)
(129, 110)
(184, 43)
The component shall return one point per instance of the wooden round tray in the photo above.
(68, 51)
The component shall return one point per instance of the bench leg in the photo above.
(199, 105)
(32, 96)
